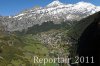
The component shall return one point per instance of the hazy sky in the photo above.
(12, 7)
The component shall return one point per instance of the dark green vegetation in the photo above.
(18, 51)
(45, 41)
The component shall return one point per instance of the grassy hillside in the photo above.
(18, 49)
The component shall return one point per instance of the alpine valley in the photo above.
(42, 32)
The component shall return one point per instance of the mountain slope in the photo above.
(55, 11)
(76, 31)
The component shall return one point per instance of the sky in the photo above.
(13, 7)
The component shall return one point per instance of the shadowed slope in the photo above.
(89, 43)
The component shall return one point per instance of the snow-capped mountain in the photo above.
(55, 3)
(55, 11)
(59, 11)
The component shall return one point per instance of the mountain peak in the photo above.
(54, 3)
(85, 4)
(56, 12)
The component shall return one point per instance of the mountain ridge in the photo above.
(56, 12)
